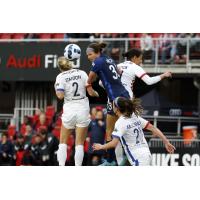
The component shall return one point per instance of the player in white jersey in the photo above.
(128, 130)
(71, 84)
(131, 69)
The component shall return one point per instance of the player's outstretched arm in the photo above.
(155, 131)
(109, 145)
(155, 79)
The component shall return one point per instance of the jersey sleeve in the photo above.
(85, 78)
(119, 130)
(59, 84)
(119, 69)
(96, 66)
(144, 122)
(139, 72)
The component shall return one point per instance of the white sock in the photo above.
(79, 154)
(62, 154)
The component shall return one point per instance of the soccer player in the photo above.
(105, 68)
(128, 130)
(71, 85)
(131, 68)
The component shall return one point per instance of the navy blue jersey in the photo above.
(106, 70)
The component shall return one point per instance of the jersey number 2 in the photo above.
(75, 84)
(137, 135)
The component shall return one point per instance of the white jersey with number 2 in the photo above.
(130, 133)
(76, 104)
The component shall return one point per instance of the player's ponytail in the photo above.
(137, 107)
(127, 106)
(131, 53)
(64, 64)
(102, 45)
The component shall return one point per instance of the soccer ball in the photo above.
(72, 52)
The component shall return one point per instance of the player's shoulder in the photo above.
(136, 67)
(120, 122)
(99, 60)
(82, 72)
(126, 64)
(59, 75)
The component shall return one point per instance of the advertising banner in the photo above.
(34, 61)
(182, 157)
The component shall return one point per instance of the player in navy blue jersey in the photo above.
(105, 68)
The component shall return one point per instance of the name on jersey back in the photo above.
(73, 78)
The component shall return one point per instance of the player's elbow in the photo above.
(148, 80)
(150, 127)
(90, 90)
(60, 95)
(153, 130)
(91, 93)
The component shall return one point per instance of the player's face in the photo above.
(92, 56)
(137, 60)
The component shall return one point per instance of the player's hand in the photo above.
(96, 94)
(97, 146)
(167, 74)
(169, 147)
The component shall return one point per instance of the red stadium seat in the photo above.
(18, 36)
(11, 131)
(114, 35)
(45, 35)
(6, 36)
(86, 146)
(58, 35)
(137, 44)
(131, 35)
(19, 158)
(58, 122)
(56, 131)
(173, 34)
(50, 111)
(23, 129)
(156, 35)
(138, 35)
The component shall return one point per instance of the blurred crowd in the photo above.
(36, 142)
(169, 51)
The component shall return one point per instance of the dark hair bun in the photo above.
(102, 45)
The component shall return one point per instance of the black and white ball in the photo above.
(72, 52)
